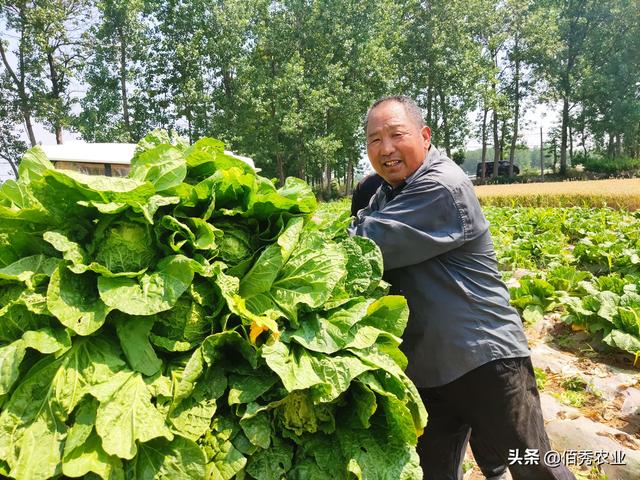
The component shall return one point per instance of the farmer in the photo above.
(490, 463)
(467, 351)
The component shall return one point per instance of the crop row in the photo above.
(584, 263)
(581, 262)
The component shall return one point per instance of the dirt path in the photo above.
(590, 400)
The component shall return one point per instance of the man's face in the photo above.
(396, 145)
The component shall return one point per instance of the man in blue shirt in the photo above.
(467, 351)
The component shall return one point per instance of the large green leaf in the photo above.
(266, 269)
(74, 300)
(30, 270)
(378, 357)
(107, 189)
(624, 341)
(378, 453)
(47, 339)
(32, 422)
(17, 194)
(225, 461)
(124, 251)
(133, 333)
(331, 331)
(163, 166)
(272, 463)
(389, 313)
(153, 293)
(195, 401)
(11, 356)
(300, 369)
(22, 311)
(257, 428)
(247, 388)
(195, 233)
(33, 164)
(310, 275)
(179, 459)
(127, 415)
(83, 452)
(182, 327)
(295, 197)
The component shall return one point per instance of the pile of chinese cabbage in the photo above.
(194, 321)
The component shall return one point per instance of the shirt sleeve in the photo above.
(420, 223)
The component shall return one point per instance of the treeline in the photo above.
(288, 82)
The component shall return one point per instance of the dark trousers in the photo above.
(496, 405)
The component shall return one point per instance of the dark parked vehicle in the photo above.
(503, 169)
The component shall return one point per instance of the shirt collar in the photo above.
(391, 192)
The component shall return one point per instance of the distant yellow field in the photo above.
(620, 193)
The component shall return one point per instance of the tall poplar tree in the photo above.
(22, 76)
(57, 27)
(118, 49)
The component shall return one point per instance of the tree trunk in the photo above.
(349, 178)
(484, 144)
(19, 84)
(123, 85)
(429, 102)
(56, 91)
(610, 145)
(13, 166)
(541, 156)
(328, 178)
(29, 126)
(503, 136)
(496, 144)
(516, 113)
(445, 125)
(189, 126)
(570, 145)
(563, 136)
(280, 167)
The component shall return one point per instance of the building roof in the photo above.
(119, 153)
(114, 153)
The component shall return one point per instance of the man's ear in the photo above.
(426, 135)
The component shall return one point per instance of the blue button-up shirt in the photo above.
(438, 253)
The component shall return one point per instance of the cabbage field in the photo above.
(193, 321)
(581, 262)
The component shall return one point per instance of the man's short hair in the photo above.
(410, 107)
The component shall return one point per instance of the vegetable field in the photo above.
(193, 321)
(583, 263)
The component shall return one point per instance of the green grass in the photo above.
(541, 378)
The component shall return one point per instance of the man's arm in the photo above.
(420, 223)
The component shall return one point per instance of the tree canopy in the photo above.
(288, 82)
